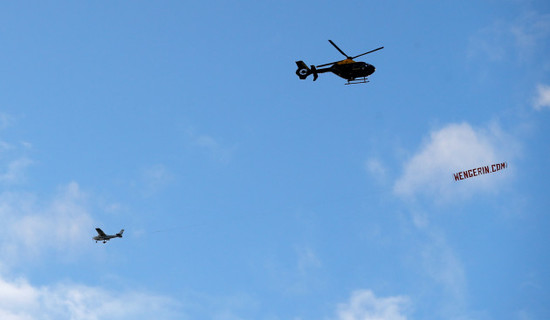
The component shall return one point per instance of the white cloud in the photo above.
(22, 301)
(455, 148)
(542, 99)
(31, 228)
(364, 305)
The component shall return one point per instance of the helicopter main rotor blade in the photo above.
(348, 57)
(362, 54)
(327, 64)
(342, 52)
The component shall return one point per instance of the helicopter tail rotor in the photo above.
(314, 71)
(304, 71)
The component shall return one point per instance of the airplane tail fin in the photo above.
(304, 71)
(120, 233)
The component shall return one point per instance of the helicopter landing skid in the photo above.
(357, 81)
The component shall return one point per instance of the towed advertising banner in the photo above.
(461, 175)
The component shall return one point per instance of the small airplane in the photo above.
(354, 72)
(106, 237)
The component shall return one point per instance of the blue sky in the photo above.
(247, 193)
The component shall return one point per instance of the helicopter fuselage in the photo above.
(350, 70)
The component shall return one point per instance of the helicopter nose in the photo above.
(370, 68)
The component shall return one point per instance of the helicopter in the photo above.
(354, 72)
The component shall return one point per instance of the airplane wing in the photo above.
(100, 232)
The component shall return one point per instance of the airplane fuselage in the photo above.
(106, 237)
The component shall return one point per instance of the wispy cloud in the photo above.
(15, 171)
(5, 120)
(32, 228)
(519, 38)
(154, 178)
(20, 300)
(299, 277)
(365, 305)
(13, 157)
(441, 263)
(376, 169)
(542, 100)
(440, 267)
(307, 259)
(453, 148)
(529, 31)
(213, 146)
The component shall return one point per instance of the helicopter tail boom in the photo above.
(304, 71)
